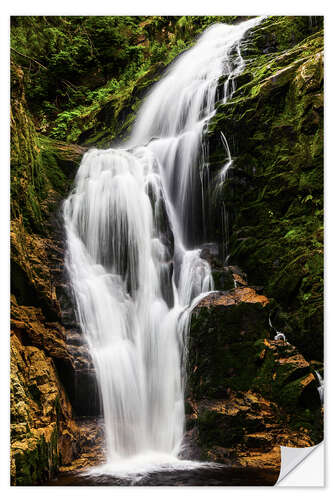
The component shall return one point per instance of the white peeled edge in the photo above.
(309, 472)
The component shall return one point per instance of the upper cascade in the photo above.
(175, 114)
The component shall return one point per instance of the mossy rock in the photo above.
(217, 427)
(274, 190)
(37, 462)
(284, 376)
(222, 347)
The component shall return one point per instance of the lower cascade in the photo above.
(134, 224)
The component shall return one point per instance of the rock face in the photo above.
(44, 433)
(247, 394)
(274, 190)
(92, 445)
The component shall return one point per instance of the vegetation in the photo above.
(73, 66)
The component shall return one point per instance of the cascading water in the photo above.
(133, 223)
(321, 387)
(224, 212)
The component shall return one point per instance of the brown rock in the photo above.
(40, 415)
(236, 296)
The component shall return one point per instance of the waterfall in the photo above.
(134, 225)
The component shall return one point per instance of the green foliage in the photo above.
(36, 165)
(75, 65)
(63, 53)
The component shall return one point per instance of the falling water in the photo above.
(223, 174)
(134, 225)
(321, 387)
(236, 66)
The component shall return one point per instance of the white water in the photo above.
(133, 222)
(321, 387)
(223, 174)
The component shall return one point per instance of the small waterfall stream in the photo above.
(134, 224)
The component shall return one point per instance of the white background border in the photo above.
(152, 7)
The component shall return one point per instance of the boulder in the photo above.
(246, 393)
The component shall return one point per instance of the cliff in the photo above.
(247, 392)
(274, 193)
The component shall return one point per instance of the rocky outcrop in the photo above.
(247, 394)
(92, 446)
(44, 433)
(222, 345)
(273, 193)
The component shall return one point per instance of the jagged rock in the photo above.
(247, 394)
(285, 376)
(40, 415)
(31, 325)
(244, 429)
(92, 446)
(228, 277)
(30, 270)
(225, 326)
(44, 434)
(210, 252)
(274, 194)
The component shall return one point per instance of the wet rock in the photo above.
(224, 329)
(260, 441)
(43, 431)
(247, 393)
(223, 278)
(246, 429)
(228, 277)
(92, 445)
(31, 325)
(40, 414)
(285, 376)
(275, 235)
(210, 252)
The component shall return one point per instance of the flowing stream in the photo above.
(134, 223)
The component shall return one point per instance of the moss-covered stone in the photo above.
(41, 173)
(274, 190)
(40, 413)
(246, 392)
(230, 349)
(284, 376)
(219, 427)
(222, 347)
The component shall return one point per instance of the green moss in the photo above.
(228, 350)
(39, 165)
(38, 462)
(222, 348)
(215, 427)
(274, 194)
